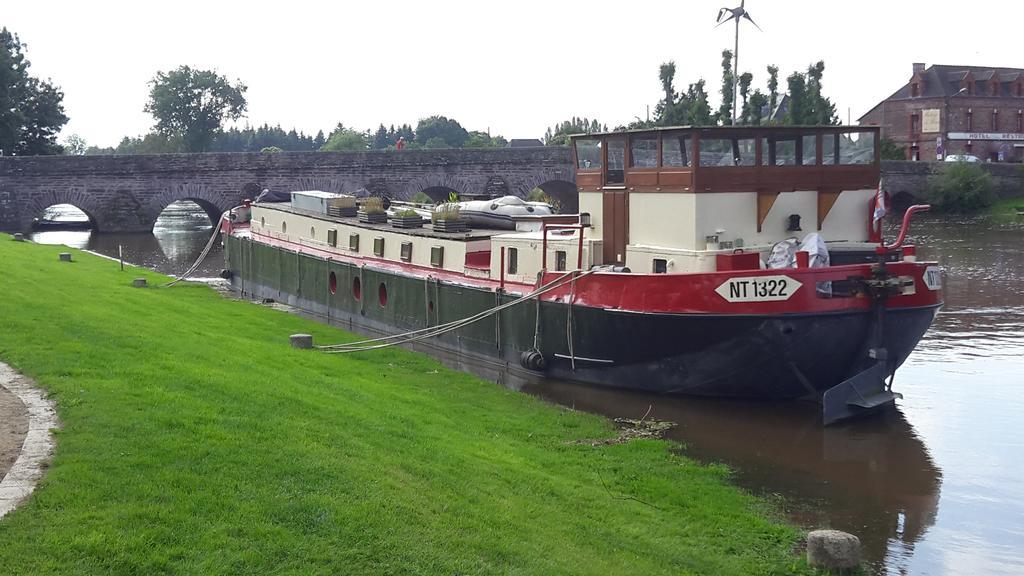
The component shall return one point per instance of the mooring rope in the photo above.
(202, 255)
(424, 333)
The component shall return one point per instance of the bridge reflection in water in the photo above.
(871, 477)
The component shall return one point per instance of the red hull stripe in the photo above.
(670, 293)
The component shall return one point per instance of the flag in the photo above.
(880, 210)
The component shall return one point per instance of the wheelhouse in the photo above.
(662, 200)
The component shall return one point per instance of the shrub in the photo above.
(407, 213)
(372, 205)
(446, 212)
(421, 198)
(960, 187)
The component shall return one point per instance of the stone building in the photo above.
(944, 110)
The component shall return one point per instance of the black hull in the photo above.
(770, 357)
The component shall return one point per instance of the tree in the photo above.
(193, 105)
(479, 139)
(667, 74)
(889, 150)
(75, 145)
(448, 131)
(773, 89)
(344, 139)
(31, 110)
(698, 109)
(745, 79)
(725, 109)
(558, 135)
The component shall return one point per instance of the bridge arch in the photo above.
(561, 194)
(212, 202)
(439, 187)
(73, 196)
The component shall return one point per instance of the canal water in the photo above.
(935, 486)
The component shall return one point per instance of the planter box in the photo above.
(372, 218)
(343, 212)
(407, 221)
(451, 226)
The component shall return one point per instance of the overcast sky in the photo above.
(513, 67)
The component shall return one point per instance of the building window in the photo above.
(995, 121)
(1020, 120)
(970, 120)
(915, 124)
(513, 260)
(660, 266)
(560, 260)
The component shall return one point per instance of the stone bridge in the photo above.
(128, 193)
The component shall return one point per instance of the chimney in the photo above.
(918, 67)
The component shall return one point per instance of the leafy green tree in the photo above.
(319, 140)
(382, 138)
(75, 145)
(479, 139)
(193, 105)
(698, 108)
(725, 109)
(435, 143)
(667, 74)
(344, 139)
(752, 109)
(960, 187)
(441, 128)
(558, 135)
(31, 110)
(889, 150)
(773, 89)
(745, 79)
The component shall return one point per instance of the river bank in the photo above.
(194, 440)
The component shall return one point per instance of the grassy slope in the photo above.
(1007, 206)
(196, 441)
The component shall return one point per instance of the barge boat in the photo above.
(739, 262)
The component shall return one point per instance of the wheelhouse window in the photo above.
(643, 151)
(616, 173)
(777, 151)
(673, 149)
(588, 153)
(857, 148)
(809, 150)
(727, 151)
(830, 149)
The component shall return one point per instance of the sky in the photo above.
(513, 68)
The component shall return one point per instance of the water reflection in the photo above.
(178, 237)
(872, 477)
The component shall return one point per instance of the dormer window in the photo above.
(915, 90)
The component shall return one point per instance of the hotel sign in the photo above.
(986, 136)
(930, 120)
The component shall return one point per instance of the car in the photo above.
(962, 158)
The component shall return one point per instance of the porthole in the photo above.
(357, 288)
(332, 283)
(382, 294)
(312, 232)
(263, 222)
(284, 227)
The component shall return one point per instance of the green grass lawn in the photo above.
(195, 441)
(1007, 206)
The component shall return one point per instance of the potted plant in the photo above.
(448, 218)
(407, 218)
(371, 211)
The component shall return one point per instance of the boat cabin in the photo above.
(672, 199)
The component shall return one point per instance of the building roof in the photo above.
(945, 80)
(523, 143)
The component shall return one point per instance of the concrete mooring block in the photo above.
(19, 237)
(65, 256)
(304, 341)
(139, 283)
(833, 550)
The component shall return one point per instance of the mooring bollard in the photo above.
(139, 283)
(304, 341)
(65, 256)
(833, 550)
(19, 237)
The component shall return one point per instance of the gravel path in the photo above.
(26, 441)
